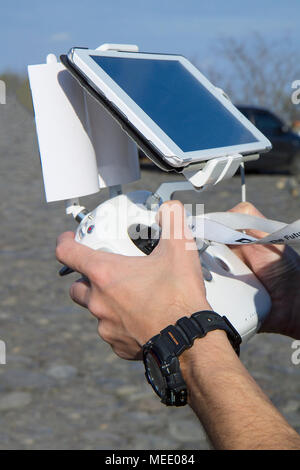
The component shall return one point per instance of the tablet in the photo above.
(167, 106)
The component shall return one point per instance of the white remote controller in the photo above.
(232, 289)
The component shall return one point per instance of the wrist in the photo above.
(170, 317)
(210, 355)
(203, 350)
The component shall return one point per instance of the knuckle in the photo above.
(79, 294)
(99, 272)
(97, 306)
(105, 332)
(176, 202)
(59, 251)
(63, 244)
(72, 290)
(122, 354)
(245, 207)
(172, 203)
(93, 307)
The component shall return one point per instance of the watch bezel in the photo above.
(175, 391)
(149, 378)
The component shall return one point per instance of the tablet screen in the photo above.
(177, 102)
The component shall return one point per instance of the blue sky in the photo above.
(30, 29)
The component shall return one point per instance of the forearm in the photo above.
(234, 411)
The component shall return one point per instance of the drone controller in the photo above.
(91, 116)
(125, 225)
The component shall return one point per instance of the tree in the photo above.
(258, 72)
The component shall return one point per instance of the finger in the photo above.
(247, 252)
(73, 254)
(174, 227)
(241, 251)
(246, 208)
(80, 292)
(249, 209)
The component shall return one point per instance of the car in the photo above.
(285, 153)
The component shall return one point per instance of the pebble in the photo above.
(186, 430)
(62, 372)
(125, 391)
(75, 416)
(42, 321)
(14, 400)
(291, 406)
(4, 316)
(9, 301)
(103, 440)
(25, 379)
(28, 442)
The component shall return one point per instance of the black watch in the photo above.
(160, 353)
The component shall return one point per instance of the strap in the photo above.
(210, 321)
(223, 227)
(174, 339)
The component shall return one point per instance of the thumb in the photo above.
(249, 209)
(174, 228)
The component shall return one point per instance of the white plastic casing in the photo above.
(233, 290)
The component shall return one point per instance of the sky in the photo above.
(30, 29)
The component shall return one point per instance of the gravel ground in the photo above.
(62, 387)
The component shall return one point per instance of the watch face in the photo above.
(154, 374)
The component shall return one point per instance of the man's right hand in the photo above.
(278, 269)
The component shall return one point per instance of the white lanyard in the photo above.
(223, 227)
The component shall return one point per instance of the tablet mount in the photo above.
(123, 223)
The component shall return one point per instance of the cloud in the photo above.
(61, 36)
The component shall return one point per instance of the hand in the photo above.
(136, 297)
(278, 268)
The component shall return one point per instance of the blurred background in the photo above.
(62, 387)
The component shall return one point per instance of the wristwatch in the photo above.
(160, 353)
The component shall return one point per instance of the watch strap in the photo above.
(210, 321)
(174, 339)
